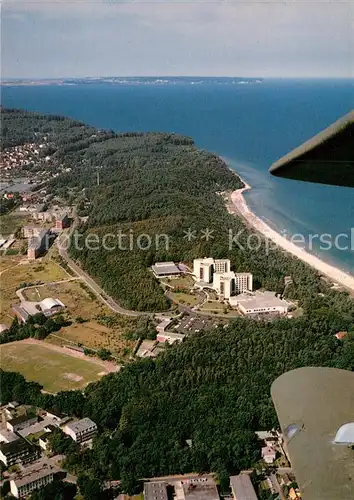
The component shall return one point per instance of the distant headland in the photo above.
(134, 80)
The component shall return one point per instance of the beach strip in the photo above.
(239, 206)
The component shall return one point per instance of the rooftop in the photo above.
(242, 487)
(258, 300)
(33, 474)
(312, 404)
(155, 491)
(81, 425)
(200, 489)
(164, 268)
(21, 419)
(15, 447)
(36, 241)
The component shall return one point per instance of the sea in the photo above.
(249, 126)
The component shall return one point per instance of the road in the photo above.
(106, 299)
(274, 481)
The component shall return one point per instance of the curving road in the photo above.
(106, 299)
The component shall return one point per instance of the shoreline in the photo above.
(238, 206)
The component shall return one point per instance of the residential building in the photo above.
(31, 480)
(22, 422)
(268, 454)
(38, 244)
(258, 303)
(166, 270)
(81, 430)
(19, 451)
(242, 487)
(243, 282)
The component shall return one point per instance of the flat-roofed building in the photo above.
(81, 430)
(258, 303)
(242, 487)
(155, 490)
(166, 270)
(22, 422)
(31, 231)
(170, 337)
(200, 488)
(38, 244)
(7, 436)
(19, 451)
(222, 265)
(224, 284)
(203, 269)
(30, 480)
(243, 282)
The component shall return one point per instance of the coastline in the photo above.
(238, 206)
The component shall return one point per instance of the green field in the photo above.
(54, 370)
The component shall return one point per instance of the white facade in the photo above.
(222, 265)
(203, 269)
(17, 424)
(259, 303)
(25, 485)
(243, 282)
(224, 284)
(82, 430)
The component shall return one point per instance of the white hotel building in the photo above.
(217, 274)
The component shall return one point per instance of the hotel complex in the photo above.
(217, 274)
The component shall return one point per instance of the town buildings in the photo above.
(190, 488)
(19, 451)
(31, 479)
(81, 430)
(19, 423)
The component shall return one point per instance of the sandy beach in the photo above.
(239, 206)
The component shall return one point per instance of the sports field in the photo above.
(54, 368)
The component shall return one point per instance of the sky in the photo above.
(78, 38)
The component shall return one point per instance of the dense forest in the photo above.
(151, 184)
(197, 405)
(213, 389)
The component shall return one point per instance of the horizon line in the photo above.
(279, 77)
